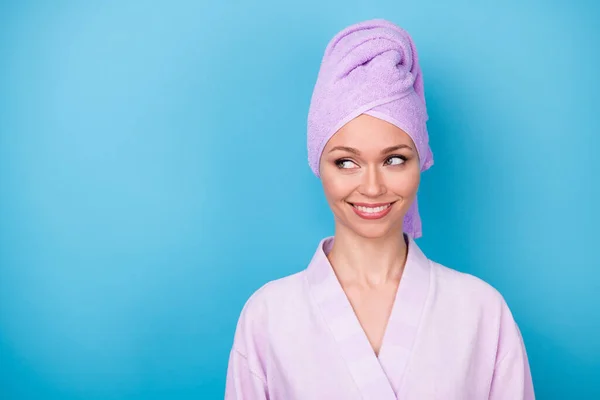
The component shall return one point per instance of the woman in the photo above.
(372, 317)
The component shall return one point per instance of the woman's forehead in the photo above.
(367, 132)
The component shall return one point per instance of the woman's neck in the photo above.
(367, 262)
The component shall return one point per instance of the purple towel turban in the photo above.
(370, 68)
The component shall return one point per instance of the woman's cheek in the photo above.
(407, 181)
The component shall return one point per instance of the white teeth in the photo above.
(372, 209)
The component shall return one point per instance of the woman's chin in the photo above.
(374, 231)
(368, 228)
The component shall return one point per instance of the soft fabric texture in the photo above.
(450, 336)
(370, 68)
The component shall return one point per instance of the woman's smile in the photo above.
(372, 211)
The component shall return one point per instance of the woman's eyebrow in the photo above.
(384, 151)
(394, 148)
(345, 148)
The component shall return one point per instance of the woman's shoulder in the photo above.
(466, 289)
(277, 289)
(471, 301)
(273, 295)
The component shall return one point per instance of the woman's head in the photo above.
(369, 96)
(370, 174)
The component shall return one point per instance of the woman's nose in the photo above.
(373, 184)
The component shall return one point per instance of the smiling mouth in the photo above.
(371, 208)
(371, 211)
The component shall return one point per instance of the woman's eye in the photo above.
(395, 160)
(345, 164)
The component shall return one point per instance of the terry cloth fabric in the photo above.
(370, 68)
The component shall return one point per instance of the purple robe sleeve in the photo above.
(246, 375)
(242, 382)
(512, 375)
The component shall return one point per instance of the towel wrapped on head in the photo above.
(370, 68)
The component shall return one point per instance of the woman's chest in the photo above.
(311, 357)
(372, 308)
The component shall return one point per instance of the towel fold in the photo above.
(370, 68)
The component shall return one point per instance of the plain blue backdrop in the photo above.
(153, 174)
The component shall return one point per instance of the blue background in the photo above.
(153, 174)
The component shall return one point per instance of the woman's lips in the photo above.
(371, 211)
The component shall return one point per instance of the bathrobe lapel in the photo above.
(408, 309)
(375, 377)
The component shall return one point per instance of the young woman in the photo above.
(371, 317)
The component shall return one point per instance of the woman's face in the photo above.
(370, 175)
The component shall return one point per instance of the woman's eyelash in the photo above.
(403, 158)
(340, 163)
